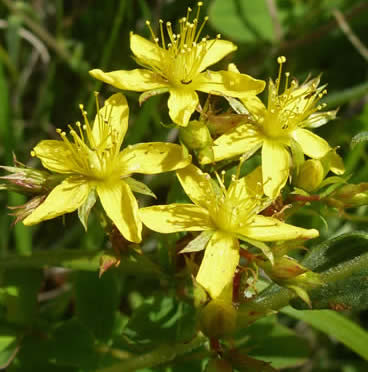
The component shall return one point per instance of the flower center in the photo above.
(181, 57)
(93, 152)
(286, 111)
(232, 212)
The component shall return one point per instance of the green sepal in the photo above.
(139, 187)
(85, 209)
(199, 243)
(150, 93)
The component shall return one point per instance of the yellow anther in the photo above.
(33, 154)
(281, 59)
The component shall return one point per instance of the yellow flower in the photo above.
(279, 126)
(224, 216)
(178, 65)
(92, 160)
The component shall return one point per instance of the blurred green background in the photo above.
(47, 48)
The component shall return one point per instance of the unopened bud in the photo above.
(351, 195)
(311, 175)
(24, 180)
(283, 268)
(196, 135)
(107, 261)
(22, 211)
(218, 319)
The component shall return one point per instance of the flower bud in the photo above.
(310, 175)
(283, 268)
(24, 180)
(196, 135)
(217, 319)
(107, 261)
(351, 195)
(22, 211)
(218, 365)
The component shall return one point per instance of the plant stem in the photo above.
(163, 354)
(80, 260)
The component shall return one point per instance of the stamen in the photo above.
(189, 10)
(148, 24)
(221, 183)
(201, 28)
(79, 126)
(280, 60)
(162, 34)
(287, 74)
(199, 5)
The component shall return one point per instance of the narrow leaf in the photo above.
(335, 325)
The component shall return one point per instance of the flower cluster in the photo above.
(235, 221)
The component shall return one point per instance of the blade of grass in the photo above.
(335, 325)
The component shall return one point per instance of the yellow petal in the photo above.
(219, 263)
(55, 156)
(336, 163)
(255, 106)
(146, 51)
(182, 103)
(153, 157)
(275, 167)
(248, 186)
(175, 217)
(228, 83)
(121, 206)
(197, 185)
(243, 140)
(115, 112)
(268, 229)
(218, 50)
(311, 144)
(138, 80)
(64, 198)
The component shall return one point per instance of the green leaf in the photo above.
(336, 251)
(97, 300)
(358, 138)
(161, 318)
(335, 325)
(21, 299)
(343, 264)
(72, 344)
(286, 349)
(242, 20)
(8, 346)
